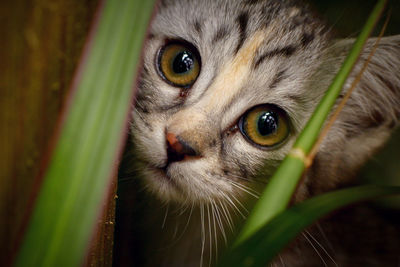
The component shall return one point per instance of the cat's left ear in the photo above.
(375, 102)
(370, 115)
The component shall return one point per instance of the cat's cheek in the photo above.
(240, 153)
(148, 136)
(250, 161)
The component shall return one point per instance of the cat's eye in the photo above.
(265, 125)
(178, 63)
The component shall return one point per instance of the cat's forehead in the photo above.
(219, 28)
(211, 20)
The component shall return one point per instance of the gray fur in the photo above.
(291, 69)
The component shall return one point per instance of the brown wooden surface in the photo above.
(40, 44)
(100, 254)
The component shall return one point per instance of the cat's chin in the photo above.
(159, 183)
(180, 183)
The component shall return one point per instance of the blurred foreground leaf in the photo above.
(92, 132)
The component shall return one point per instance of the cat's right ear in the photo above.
(368, 118)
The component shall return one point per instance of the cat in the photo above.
(226, 87)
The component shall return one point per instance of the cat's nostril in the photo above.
(178, 149)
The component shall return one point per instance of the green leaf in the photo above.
(282, 185)
(93, 129)
(260, 248)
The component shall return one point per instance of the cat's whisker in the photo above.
(320, 245)
(215, 229)
(249, 180)
(241, 205)
(228, 217)
(202, 234)
(174, 235)
(325, 237)
(233, 205)
(183, 208)
(315, 249)
(245, 189)
(129, 174)
(185, 227)
(219, 221)
(144, 188)
(282, 261)
(165, 216)
(210, 235)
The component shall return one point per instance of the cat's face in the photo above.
(229, 79)
(226, 88)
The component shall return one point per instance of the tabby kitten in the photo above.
(226, 88)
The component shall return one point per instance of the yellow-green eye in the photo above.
(179, 64)
(265, 125)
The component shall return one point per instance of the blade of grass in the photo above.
(279, 190)
(85, 156)
(261, 248)
(335, 114)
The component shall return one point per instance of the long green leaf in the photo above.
(262, 247)
(84, 158)
(279, 190)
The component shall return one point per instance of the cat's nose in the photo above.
(178, 149)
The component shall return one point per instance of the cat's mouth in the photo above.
(164, 184)
(164, 176)
(185, 181)
(164, 173)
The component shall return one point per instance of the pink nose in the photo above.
(178, 149)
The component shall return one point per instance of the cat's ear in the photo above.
(368, 118)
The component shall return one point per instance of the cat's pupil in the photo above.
(267, 123)
(183, 62)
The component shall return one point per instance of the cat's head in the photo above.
(228, 85)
